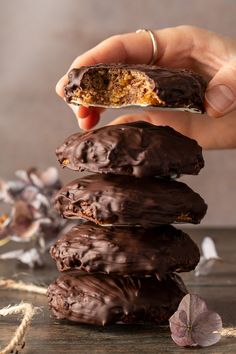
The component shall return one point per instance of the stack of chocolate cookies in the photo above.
(120, 264)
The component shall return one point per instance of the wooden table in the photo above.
(48, 335)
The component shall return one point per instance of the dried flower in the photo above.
(32, 216)
(193, 324)
(209, 257)
(31, 258)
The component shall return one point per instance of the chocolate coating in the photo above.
(133, 251)
(137, 149)
(175, 88)
(123, 200)
(104, 299)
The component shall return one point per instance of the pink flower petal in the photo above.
(193, 324)
(206, 329)
(50, 176)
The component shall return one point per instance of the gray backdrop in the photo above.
(39, 39)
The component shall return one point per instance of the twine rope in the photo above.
(28, 310)
(18, 339)
(228, 332)
(19, 285)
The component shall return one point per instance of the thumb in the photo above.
(221, 91)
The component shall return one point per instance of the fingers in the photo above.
(60, 85)
(209, 132)
(177, 47)
(180, 121)
(90, 121)
(87, 117)
(128, 118)
(111, 50)
(83, 112)
(183, 46)
(124, 48)
(132, 48)
(221, 91)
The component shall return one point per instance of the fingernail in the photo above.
(220, 98)
(59, 82)
(60, 87)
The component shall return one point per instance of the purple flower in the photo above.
(32, 216)
(193, 324)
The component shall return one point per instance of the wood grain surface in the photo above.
(48, 335)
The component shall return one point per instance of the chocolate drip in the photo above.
(123, 200)
(134, 251)
(138, 149)
(102, 299)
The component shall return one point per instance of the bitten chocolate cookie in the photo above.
(104, 299)
(133, 251)
(122, 200)
(122, 85)
(137, 149)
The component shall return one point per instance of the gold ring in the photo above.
(154, 44)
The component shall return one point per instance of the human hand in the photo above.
(205, 52)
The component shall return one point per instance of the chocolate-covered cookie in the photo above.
(120, 250)
(122, 200)
(104, 299)
(137, 149)
(122, 85)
